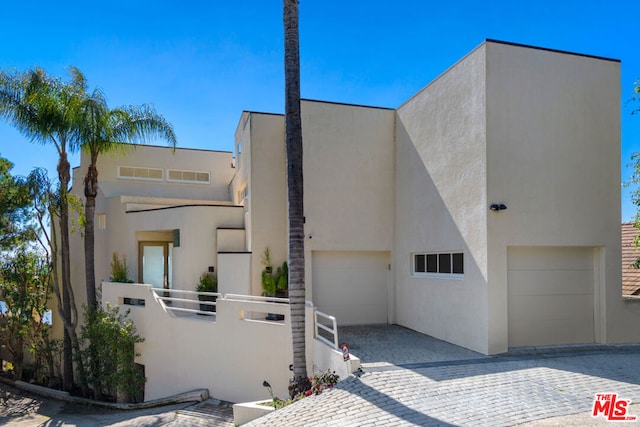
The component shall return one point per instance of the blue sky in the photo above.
(201, 63)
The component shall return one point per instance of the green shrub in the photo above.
(274, 282)
(119, 269)
(208, 283)
(110, 340)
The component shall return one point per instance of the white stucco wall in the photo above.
(143, 213)
(197, 225)
(348, 180)
(234, 273)
(267, 198)
(230, 356)
(553, 157)
(217, 163)
(348, 176)
(440, 206)
(231, 239)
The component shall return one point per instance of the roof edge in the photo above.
(347, 104)
(546, 49)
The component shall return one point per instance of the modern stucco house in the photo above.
(484, 211)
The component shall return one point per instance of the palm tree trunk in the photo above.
(293, 137)
(69, 321)
(67, 360)
(90, 193)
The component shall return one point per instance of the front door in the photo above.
(154, 264)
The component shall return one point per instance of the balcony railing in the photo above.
(326, 328)
(186, 302)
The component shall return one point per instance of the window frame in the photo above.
(139, 178)
(186, 181)
(439, 255)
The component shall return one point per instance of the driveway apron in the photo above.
(410, 379)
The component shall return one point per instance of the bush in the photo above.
(109, 350)
(208, 283)
(24, 291)
(323, 381)
(272, 283)
(119, 269)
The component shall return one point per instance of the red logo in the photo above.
(613, 409)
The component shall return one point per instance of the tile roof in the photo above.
(630, 254)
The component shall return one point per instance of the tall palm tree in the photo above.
(103, 130)
(293, 137)
(45, 110)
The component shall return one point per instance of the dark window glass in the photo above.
(419, 264)
(432, 263)
(134, 301)
(445, 263)
(458, 264)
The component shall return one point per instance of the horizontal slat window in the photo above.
(146, 174)
(445, 264)
(192, 177)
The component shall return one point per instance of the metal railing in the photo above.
(254, 298)
(332, 330)
(168, 301)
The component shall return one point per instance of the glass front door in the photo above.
(154, 266)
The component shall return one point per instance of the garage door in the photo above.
(352, 286)
(550, 296)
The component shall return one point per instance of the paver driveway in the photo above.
(475, 391)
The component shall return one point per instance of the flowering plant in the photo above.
(319, 382)
(322, 381)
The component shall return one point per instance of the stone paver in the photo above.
(211, 412)
(424, 388)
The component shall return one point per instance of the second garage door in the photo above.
(352, 286)
(550, 296)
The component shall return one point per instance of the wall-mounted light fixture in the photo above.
(498, 207)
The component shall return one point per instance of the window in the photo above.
(191, 177)
(445, 264)
(101, 221)
(146, 174)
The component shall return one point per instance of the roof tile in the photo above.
(630, 254)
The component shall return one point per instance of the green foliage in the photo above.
(110, 340)
(636, 97)
(277, 403)
(323, 381)
(47, 110)
(75, 205)
(16, 221)
(119, 269)
(268, 283)
(282, 277)
(634, 181)
(315, 385)
(24, 288)
(208, 283)
(274, 282)
(48, 360)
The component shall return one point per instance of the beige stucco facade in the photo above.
(537, 131)
(534, 130)
(441, 204)
(131, 211)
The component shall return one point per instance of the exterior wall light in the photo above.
(498, 207)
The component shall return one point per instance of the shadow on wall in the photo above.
(452, 309)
